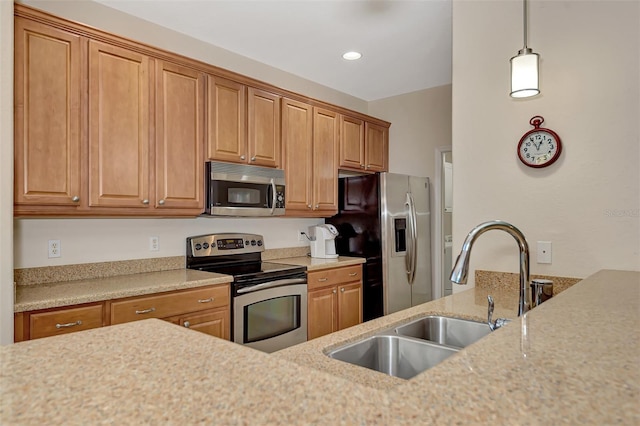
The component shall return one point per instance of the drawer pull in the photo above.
(69, 324)
(353, 274)
(211, 299)
(145, 311)
(322, 279)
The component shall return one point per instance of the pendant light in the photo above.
(524, 68)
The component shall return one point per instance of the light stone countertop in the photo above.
(52, 295)
(315, 264)
(573, 360)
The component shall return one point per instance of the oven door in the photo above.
(271, 318)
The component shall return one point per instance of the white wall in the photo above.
(6, 171)
(421, 121)
(588, 202)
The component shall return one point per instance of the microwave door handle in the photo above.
(271, 284)
(273, 196)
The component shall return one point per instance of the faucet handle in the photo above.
(494, 325)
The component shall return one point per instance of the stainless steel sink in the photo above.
(394, 355)
(445, 331)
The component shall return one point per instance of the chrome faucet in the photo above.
(461, 268)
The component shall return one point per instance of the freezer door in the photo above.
(394, 220)
(421, 289)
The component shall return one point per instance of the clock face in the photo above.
(539, 148)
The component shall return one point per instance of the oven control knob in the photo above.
(246, 243)
(253, 242)
(205, 246)
(198, 246)
(259, 243)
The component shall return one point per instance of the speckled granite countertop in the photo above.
(52, 295)
(70, 292)
(573, 360)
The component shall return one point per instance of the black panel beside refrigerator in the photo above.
(359, 228)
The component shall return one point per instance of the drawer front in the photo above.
(169, 304)
(64, 321)
(327, 277)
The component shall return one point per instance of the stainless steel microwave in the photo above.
(242, 190)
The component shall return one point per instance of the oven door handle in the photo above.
(274, 196)
(272, 284)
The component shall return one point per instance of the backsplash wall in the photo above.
(101, 240)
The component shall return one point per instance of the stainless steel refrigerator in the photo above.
(386, 218)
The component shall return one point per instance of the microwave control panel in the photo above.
(279, 196)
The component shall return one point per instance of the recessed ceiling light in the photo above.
(352, 56)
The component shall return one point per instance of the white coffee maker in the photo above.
(323, 244)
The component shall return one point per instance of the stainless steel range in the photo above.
(269, 300)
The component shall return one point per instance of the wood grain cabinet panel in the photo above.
(351, 142)
(47, 115)
(179, 144)
(118, 127)
(310, 145)
(214, 323)
(65, 320)
(334, 300)
(264, 140)
(377, 148)
(297, 144)
(226, 120)
(165, 305)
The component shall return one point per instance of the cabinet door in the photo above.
(325, 162)
(67, 320)
(212, 323)
(226, 120)
(264, 128)
(118, 127)
(297, 143)
(349, 305)
(321, 312)
(351, 143)
(377, 148)
(47, 115)
(179, 137)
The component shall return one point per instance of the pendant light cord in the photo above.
(524, 26)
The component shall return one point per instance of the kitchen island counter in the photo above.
(574, 359)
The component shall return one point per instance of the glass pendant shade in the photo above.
(524, 74)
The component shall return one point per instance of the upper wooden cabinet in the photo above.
(47, 115)
(243, 124)
(179, 145)
(263, 128)
(364, 146)
(118, 127)
(226, 120)
(310, 145)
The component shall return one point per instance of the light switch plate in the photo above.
(544, 251)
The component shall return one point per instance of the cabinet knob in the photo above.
(317, 205)
(309, 205)
(334, 291)
(253, 158)
(342, 289)
(145, 201)
(362, 166)
(242, 157)
(368, 166)
(75, 199)
(187, 324)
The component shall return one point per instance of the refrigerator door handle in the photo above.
(410, 259)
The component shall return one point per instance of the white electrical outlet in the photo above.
(54, 248)
(544, 251)
(301, 236)
(154, 243)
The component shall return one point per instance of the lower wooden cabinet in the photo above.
(334, 300)
(205, 309)
(52, 322)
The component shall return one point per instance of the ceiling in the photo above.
(406, 45)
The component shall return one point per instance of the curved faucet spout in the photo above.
(460, 270)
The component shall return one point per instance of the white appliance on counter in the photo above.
(323, 241)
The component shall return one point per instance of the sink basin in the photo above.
(394, 355)
(445, 331)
